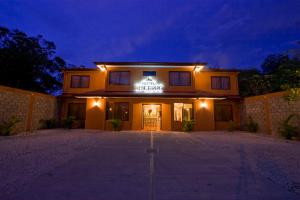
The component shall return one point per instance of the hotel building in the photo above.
(151, 96)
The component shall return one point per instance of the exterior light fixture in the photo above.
(203, 105)
(198, 68)
(96, 104)
(102, 67)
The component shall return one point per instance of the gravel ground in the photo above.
(85, 164)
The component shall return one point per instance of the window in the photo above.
(119, 77)
(80, 81)
(220, 82)
(149, 73)
(77, 110)
(223, 112)
(118, 110)
(180, 78)
(183, 112)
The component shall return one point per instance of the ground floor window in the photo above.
(183, 112)
(223, 112)
(117, 110)
(77, 110)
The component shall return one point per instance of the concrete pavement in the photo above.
(83, 164)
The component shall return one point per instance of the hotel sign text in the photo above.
(149, 85)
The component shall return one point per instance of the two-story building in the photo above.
(151, 96)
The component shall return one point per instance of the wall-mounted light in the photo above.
(102, 67)
(198, 68)
(203, 104)
(96, 104)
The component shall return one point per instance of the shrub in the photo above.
(252, 126)
(47, 123)
(232, 126)
(116, 124)
(287, 130)
(6, 127)
(68, 122)
(187, 126)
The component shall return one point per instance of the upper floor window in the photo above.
(80, 81)
(149, 73)
(119, 77)
(220, 82)
(180, 78)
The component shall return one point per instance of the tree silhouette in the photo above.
(29, 62)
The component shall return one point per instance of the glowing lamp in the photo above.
(96, 104)
(102, 67)
(203, 105)
(198, 68)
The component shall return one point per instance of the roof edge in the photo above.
(152, 63)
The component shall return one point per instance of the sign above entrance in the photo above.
(149, 85)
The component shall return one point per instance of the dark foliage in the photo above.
(272, 62)
(29, 62)
(188, 125)
(280, 72)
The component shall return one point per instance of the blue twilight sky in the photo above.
(224, 33)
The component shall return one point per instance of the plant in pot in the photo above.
(116, 124)
(6, 127)
(68, 122)
(188, 125)
(252, 126)
(232, 126)
(287, 130)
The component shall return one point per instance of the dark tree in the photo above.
(272, 62)
(280, 73)
(29, 62)
(253, 82)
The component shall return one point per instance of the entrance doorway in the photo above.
(152, 117)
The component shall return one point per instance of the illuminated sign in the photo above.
(149, 85)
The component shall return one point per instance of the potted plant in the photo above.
(287, 130)
(252, 126)
(68, 122)
(188, 125)
(116, 124)
(6, 127)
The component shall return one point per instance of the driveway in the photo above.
(86, 164)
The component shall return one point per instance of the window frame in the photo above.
(82, 104)
(182, 115)
(220, 78)
(154, 72)
(222, 120)
(190, 74)
(80, 82)
(114, 110)
(118, 71)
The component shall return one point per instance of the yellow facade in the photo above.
(199, 94)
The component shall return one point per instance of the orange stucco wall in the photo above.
(95, 113)
(201, 81)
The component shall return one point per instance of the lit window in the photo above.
(183, 112)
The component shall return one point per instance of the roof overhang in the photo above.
(132, 94)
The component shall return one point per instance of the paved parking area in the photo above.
(85, 164)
